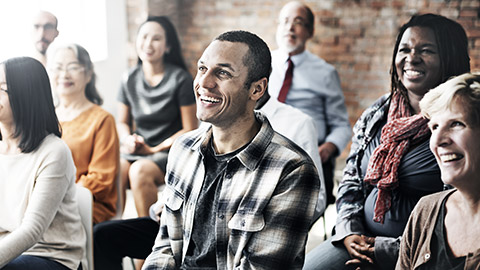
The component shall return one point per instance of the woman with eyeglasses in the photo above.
(40, 226)
(88, 130)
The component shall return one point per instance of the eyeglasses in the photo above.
(71, 69)
(297, 22)
(3, 88)
(45, 27)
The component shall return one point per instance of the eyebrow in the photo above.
(421, 45)
(225, 65)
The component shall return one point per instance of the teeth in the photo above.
(450, 157)
(209, 99)
(413, 73)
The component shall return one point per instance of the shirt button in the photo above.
(228, 175)
(221, 216)
(243, 223)
(427, 256)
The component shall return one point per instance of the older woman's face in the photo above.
(417, 60)
(5, 108)
(67, 75)
(456, 146)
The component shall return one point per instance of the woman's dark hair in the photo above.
(83, 58)
(174, 55)
(452, 43)
(31, 102)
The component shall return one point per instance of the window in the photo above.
(79, 21)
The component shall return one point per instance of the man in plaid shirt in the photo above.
(238, 195)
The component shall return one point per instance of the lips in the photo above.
(413, 73)
(65, 84)
(209, 100)
(450, 157)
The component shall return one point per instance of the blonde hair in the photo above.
(463, 89)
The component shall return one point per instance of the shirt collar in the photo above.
(251, 156)
(296, 59)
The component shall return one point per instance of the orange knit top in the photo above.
(92, 138)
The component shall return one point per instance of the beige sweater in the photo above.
(38, 208)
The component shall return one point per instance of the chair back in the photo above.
(85, 207)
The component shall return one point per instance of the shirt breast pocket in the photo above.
(173, 199)
(246, 223)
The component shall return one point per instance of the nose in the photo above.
(289, 25)
(205, 80)
(413, 56)
(148, 42)
(440, 138)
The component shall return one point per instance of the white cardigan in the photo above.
(38, 208)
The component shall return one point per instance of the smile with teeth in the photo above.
(210, 99)
(450, 157)
(413, 73)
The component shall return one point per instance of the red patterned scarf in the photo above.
(401, 130)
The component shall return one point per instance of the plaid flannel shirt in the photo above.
(265, 207)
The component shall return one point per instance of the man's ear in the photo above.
(258, 88)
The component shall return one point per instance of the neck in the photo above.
(296, 51)
(469, 200)
(40, 57)
(73, 101)
(414, 102)
(8, 144)
(236, 135)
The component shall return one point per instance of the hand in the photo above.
(142, 147)
(132, 143)
(362, 250)
(326, 150)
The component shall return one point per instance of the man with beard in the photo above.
(305, 81)
(43, 34)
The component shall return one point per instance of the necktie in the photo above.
(287, 82)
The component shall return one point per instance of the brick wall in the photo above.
(356, 36)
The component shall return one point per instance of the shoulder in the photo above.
(428, 206)
(102, 114)
(132, 74)
(381, 103)
(188, 139)
(314, 61)
(284, 118)
(434, 200)
(283, 150)
(52, 147)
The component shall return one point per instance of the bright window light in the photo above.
(79, 21)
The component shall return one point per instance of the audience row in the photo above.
(243, 189)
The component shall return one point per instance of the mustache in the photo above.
(44, 40)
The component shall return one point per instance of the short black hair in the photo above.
(174, 56)
(258, 59)
(31, 102)
(452, 43)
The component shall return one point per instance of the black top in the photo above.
(418, 175)
(201, 253)
(442, 255)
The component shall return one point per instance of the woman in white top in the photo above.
(40, 225)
